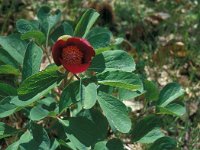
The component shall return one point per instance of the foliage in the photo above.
(60, 111)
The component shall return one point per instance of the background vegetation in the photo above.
(163, 37)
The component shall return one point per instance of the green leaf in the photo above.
(13, 146)
(125, 80)
(99, 119)
(8, 69)
(24, 26)
(103, 49)
(48, 21)
(71, 94)
(85, 23)
(90, 95)
(21, 103)
(113, 144)
(129, 95)
(38, 113)
(43, 12)
(99, 37)
(37, 35)
(115, 111)
(55, 145)
(112, 61)
(7, 90)
(34, 138)
(5, 58)
(145, 127)
(152, 136)
(32, 60)
(152, 92)
(164, 143)
(6, 108)
(75, 92)
(101, 145)
(169, 93)
(76, 108)
(6, 131)
(47, 101)
(64, 29)
(14, 46)
(40, 83)
(67, 145)
(44, 108)
(81, 132)
(172, 109)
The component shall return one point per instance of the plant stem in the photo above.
(77, 77)
(81, 91)
(47, 55)
(46, 48)
(80, 86)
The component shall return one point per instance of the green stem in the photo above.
(81, 90)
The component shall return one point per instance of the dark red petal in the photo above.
(76, 68)
(57, 51)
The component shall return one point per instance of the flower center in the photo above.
(72, 55)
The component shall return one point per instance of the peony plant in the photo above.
(85, 105)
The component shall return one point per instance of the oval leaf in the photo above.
(7, 69)
(6, 108)
(169, 93)
(115, 111)
(164, 143)
(85, 23)
(90, 95)
(40, 82)
(7, 90)
(152, 136)
(99, 37)
(152, 92)
(124, 80)
(24, 26)
(71, 94)
(37, 35)
(144, 126)
(5, 58)
(32, 60)
(173, 109)
(99, 119)
(81, 132)
(38, 113)
(113, 60)
(34, 138)
(47, 20)
(14, 46)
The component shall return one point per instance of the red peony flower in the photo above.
(73, 53)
